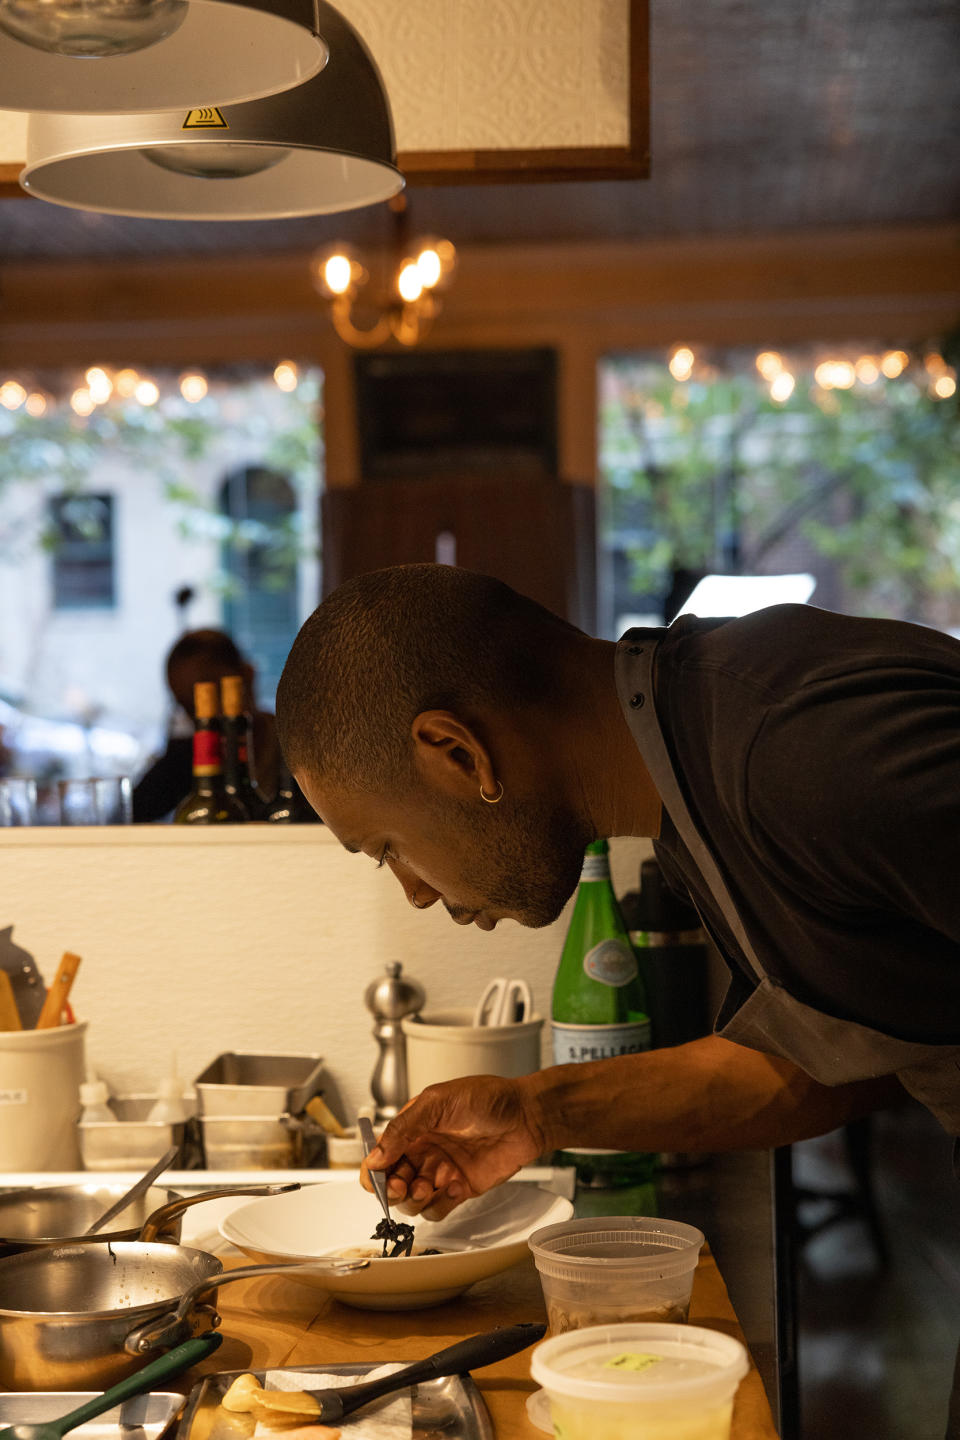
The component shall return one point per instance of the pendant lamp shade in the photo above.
(122, 56)
(326, 145)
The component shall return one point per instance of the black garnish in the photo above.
(395, 1233)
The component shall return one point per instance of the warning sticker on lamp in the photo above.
(208, 118)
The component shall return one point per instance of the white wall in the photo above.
(201, 941)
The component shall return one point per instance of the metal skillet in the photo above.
(80, 1317)
(34, 1219)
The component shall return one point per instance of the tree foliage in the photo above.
(713, 474)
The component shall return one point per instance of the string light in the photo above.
(35, 404)
(286, 376)
(894, 362)
(126, 383)
(12, 394)
(99, 384)
(782, 386)
(769, 363)
(681, 363)
(944, 386)
(82, 402)
(147, 393)
(193, 386)
(867, 370)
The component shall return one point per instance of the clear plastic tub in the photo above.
(616, 1268)
(641, 1382)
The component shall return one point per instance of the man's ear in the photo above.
(450, 753)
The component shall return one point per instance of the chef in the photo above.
(799, 774)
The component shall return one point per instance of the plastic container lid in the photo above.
(716, 1363)
(616, 1247)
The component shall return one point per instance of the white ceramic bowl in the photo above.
(480, 1238)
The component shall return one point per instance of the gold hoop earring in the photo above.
(493, 799)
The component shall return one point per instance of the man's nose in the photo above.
(420, 895)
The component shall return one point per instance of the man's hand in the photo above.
(454, 1141)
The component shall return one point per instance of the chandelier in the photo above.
(396, 296)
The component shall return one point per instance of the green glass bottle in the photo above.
(599, 1008)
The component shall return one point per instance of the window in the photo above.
(82, 537)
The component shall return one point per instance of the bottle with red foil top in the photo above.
(238, 768)
(208, 803)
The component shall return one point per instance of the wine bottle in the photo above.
(208, 802)
(599, 1008)
(290, 806)
(238, 772)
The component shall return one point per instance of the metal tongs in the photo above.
(390, 1231)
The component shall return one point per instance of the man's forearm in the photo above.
(707, 1095)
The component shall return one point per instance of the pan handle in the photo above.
(168, 1329)
(159, 1219)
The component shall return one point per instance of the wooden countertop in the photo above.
(273, 1321)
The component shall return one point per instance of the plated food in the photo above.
(479, 1238)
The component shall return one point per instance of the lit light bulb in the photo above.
(212, 160)
(126, 382)
(12, 394)
(35, 404)
(844, 375)
(681, 363)
(147, 393)
(99, 384)
(338, 274)
(894, 363)
(82, 402)
(781, 386)
(286, 376)
(867, 370)
(934, 364)
(944, 386)
(429, 268)
(769, 363)
(91, 28)
(193, 386)
(409, 283)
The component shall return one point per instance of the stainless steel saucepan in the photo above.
(61, 1214)
(81, 1317)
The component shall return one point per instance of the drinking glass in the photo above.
(18, 800)
(96, 801)
(115, 800)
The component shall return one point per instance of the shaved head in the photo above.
(390, 644)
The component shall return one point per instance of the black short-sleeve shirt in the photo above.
(819, 755)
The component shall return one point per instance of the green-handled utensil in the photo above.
(180, 1358)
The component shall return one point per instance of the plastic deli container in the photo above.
(640, 1382)
(615, 1268)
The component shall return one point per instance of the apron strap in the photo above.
(636, 654)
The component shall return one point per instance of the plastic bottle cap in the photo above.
(94, 1092)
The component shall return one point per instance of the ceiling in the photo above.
(767, 116)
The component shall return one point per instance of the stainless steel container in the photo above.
(242, 1084)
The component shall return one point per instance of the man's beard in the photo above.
(526, 858)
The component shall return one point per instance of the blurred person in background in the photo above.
(202, 655)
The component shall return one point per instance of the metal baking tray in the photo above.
(144, 1417)
(451, 1408)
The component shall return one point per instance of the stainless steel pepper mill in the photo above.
(389, 998)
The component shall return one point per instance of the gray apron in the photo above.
(832, 1051)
